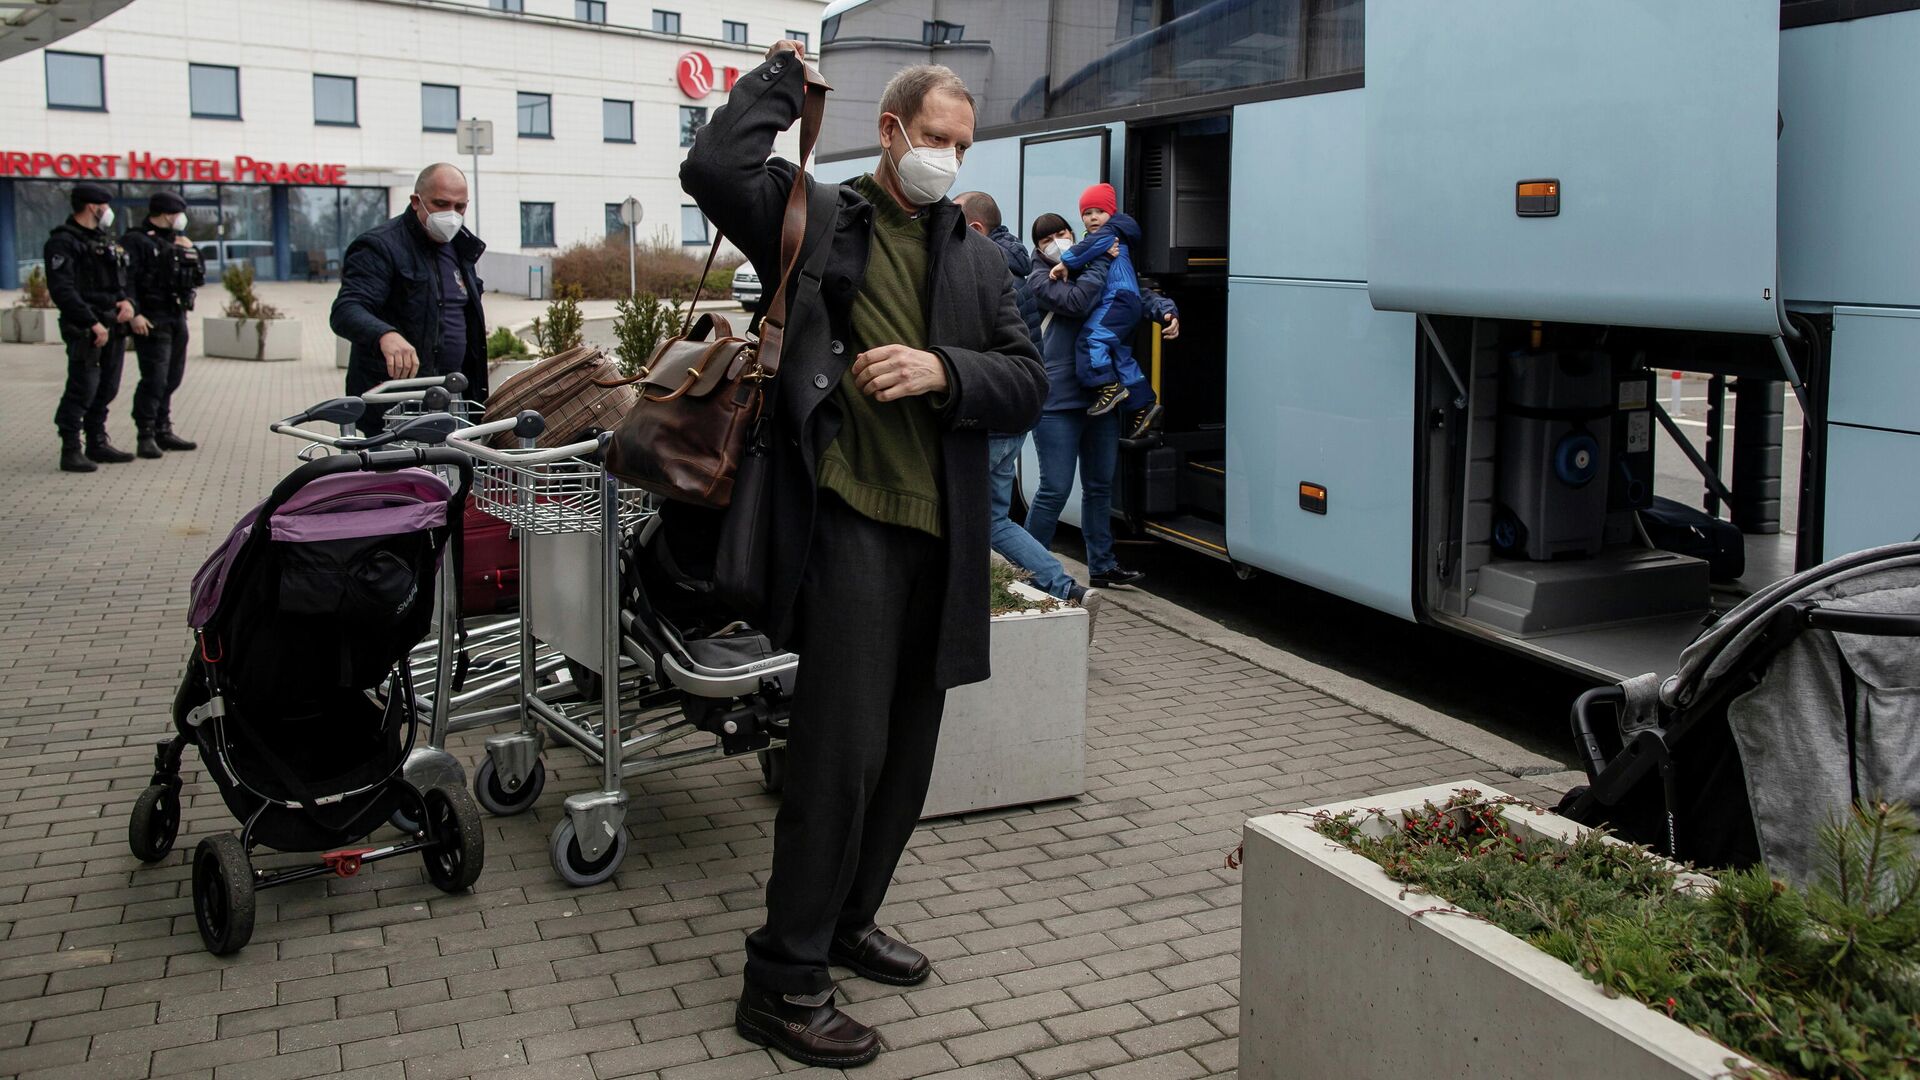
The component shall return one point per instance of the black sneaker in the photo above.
(1118, 577)
(1144, 420)
(1106, 399)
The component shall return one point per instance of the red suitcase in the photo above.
(490, 571)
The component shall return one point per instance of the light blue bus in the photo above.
(1436, 261)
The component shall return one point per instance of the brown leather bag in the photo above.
(704, 391)
(577, 391)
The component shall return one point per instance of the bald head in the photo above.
(437, 173)
(439, 189)
(982, 213)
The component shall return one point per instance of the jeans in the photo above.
(1014, 543)
(1064, 439)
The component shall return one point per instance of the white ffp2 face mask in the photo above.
(926, 174)
(179, 222)
(1057, 249)
(444, 226)
(106, 218)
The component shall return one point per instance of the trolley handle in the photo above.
(454, 384)
(527, 425)
(431, 428)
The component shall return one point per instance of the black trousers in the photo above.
(93, 380)
(163, 363)
(866, 721)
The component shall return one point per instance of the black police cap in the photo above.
(89, 195)
(166, 202)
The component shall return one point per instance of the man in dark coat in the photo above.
(409, 298)
(87, 276)
(907, 349)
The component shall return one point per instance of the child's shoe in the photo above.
(1144, 420)
(1106, 398)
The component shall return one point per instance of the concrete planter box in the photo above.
(250, 339)
(342, 352)
(1021, 736)
(30, 325)
(1344, 975)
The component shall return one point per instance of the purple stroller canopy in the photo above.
(337, 507)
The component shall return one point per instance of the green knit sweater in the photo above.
(885, 461)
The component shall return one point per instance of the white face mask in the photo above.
(926, 174)
(444, 226)
(179, 223)
(106, 218)
(1057, 249)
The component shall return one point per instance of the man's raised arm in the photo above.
(728, 172)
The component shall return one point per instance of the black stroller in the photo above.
(296, 695)
(1797, 704)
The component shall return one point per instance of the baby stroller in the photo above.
(1796, 705)
(296, 693)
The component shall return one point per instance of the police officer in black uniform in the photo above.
(165, 270)
(87, 275)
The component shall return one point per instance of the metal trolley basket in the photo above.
(575, 520)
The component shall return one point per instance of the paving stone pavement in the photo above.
(1091, 937)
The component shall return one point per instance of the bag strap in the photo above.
(793, 228)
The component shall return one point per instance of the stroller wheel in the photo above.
(402, 820)
(155, 823)
(223, 894)
(773, 769)
(459, 847)
(573, 866)
(494, 796)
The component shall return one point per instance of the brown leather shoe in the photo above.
(809, 1030)
(876, 956)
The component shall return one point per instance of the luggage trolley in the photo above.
(655, 687)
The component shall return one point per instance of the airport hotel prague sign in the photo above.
(694, 72)
(139, 166)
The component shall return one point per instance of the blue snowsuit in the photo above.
(1104, 351)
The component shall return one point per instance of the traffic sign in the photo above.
(630, 211)
(474, 137)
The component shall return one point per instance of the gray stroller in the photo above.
(1797, 704)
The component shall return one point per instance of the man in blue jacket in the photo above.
(409, 298)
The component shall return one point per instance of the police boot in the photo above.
(147, 447)
(72, 458)
(104, 452)
(167, 440)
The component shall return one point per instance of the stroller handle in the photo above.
(394, 390)
(425, 457)
(1869, 623)
(1592, 758)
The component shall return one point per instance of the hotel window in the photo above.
(693, 226)
(801, 37)
(666, 22)
(616, 120)
(615, 227)
(515, 6)
(692, 119)
(536, 224)
(439, 107)
(76, 81)
(536, 116)
(336, 101)
(213, 91)
(593, 11)
(735, 33)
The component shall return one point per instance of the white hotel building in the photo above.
(289, 126)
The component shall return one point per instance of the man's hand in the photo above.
(123, 311)
(787, 44)
(141, 326)
(1058, 273)
(99, 335)
(181, 241)
(892, 372)
(1171, 329)
(402, 361)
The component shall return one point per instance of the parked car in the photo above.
(746, 285)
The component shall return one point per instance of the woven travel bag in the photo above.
(579, 392)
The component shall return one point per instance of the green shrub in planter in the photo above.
(504, 344)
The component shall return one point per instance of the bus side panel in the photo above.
(1320, 391)
(1299, 183)
(1873, 488)
(1850, 161)
(994, 167)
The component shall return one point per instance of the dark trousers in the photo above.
(93, 379)
(866, 720)
(163, 363)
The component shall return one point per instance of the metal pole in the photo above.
(476, 181)
(633, 277)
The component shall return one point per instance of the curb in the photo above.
(1503, 754)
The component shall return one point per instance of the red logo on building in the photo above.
(695, 73)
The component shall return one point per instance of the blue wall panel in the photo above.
(1320, 388)
(1303, 160)
(1850, 161)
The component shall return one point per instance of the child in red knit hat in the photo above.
(1103, 353)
